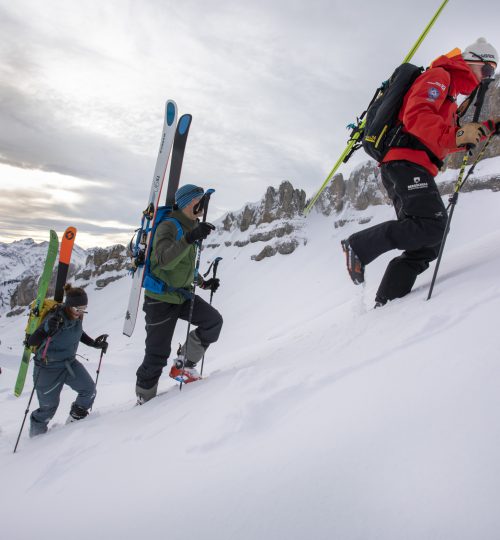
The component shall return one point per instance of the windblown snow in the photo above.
(319, 417)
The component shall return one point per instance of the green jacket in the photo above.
(173, 261)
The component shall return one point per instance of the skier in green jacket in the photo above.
(172, 261)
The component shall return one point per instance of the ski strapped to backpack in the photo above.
(36, 308)
(383, 130)
(355, 140)
(150, 281)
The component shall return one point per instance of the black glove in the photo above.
(101, 343)
(493, 125)
(211, 284)
(54, 324)
(200, 232)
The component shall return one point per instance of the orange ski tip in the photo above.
(452, 54)
(67, 245)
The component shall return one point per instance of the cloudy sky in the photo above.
(271, 85)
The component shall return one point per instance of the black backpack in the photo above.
(382, 128)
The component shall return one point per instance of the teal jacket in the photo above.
(64, 344)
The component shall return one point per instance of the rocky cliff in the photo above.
(272, 226)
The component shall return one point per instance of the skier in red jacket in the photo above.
(429, 113)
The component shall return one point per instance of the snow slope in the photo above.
(320, 418)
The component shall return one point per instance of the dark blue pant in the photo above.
(418, 230)
(49, 383)
(161, 319)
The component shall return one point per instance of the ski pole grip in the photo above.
(206, 198)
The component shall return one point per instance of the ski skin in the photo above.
(144, 234)
(43, 285)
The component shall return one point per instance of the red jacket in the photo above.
(430, 115)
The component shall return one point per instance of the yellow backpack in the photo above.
(49, 305)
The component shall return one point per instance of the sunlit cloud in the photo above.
(271, 85)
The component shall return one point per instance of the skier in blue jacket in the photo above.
(57, 341)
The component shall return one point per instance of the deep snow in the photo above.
(320, 418)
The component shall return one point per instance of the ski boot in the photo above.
(355, 267)
(145, 394)
(37, 428)
(76, 413)
(184, 372)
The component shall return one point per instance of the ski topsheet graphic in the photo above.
(139, 247)
(43, 285)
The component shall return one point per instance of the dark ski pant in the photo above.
(161, 319)
(418, 230)
(48, 390)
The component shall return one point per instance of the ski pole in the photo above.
(481, 94)
(44, 356)
(452, 203)
(99, 366)
(202, 204)
(100, 358)
(357, 134)
(214, 264)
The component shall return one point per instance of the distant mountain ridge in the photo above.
(274, 225)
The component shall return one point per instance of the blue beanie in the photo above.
(185, 194)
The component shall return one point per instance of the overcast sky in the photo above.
(271, 86)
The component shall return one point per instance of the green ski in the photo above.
(43, 285)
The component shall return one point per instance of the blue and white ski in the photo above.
(139, 246)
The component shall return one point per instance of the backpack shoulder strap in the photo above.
(180, 232)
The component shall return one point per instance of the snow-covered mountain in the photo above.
(274, 225)
(21, 264)
(319, 417)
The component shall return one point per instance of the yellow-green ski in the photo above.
(43, 285)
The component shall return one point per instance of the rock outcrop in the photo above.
(96, 267)
(273, 224)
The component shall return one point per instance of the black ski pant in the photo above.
(418, 230)
(161, 319)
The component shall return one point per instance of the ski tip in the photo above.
(170, 112)
(70, 233)
(184, 123)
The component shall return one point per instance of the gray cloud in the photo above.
(271, 86)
